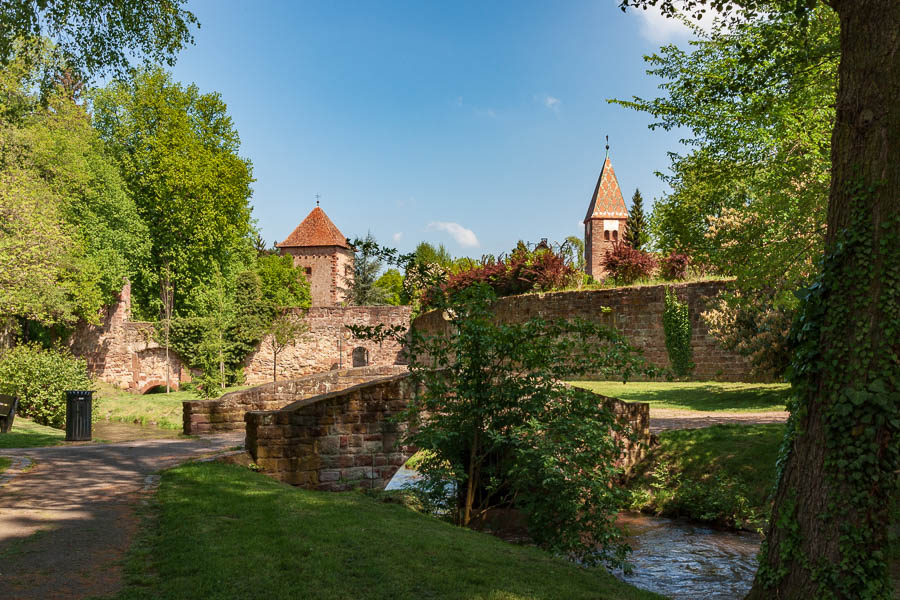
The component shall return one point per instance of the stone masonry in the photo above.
(123, 353)
(346, 439)
(227, 413)
(636, 312)
(328, 344)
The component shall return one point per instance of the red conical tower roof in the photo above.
(315, 230)
(607, 201)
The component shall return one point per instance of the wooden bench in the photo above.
(8, 406)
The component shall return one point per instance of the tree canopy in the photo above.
(178, 153)
(97, 35)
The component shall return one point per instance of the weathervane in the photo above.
(318, 196)
(607, 145)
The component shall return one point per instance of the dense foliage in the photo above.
(177, 152)
(39, 378)
(366, 267)
(677, 331)
(628, 265)
(749, 197)
(674, 266)
(523, 271)
(501, 429)
(636, 234)
(69, 233)
(97, 35)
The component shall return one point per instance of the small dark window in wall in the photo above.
(360, 357)
(615, 234)
(606, 235)
(308, 271)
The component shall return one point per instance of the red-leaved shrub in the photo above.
(627, 265)
(674, 266)
(523, 271)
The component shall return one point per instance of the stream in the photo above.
(677, 558)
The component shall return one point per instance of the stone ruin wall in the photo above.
(636, 312)
(123, 353)
(346, 439)
(326, 345)
(227, 413)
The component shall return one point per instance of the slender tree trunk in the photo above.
(832, 506)
(471, 481)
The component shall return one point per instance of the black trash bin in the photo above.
(78, 415)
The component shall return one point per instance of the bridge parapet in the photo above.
(336, 441)
(346, 439)
(227, 413)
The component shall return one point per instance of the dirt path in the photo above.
(662, 419)
(67, 516)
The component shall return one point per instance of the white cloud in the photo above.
(551, 103)
(464, 237)
(486, 112)
(397, 236)
(659, 29)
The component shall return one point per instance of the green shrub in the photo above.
(677, 329)
(39, 378)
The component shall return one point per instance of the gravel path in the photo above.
(67, 513)
(662, 419)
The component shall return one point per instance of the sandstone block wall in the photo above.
(123, 353)
(636, 312)
(346, 439)
(326, 345)
(329, 270)
(227, 413)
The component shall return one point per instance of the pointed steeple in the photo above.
(315, 230)
(607, 201)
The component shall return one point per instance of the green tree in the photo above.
(391, 284)
(636, 227)
(828, 535)
(282, 332)
(177, 151)
(97, 35)
(366, 266)
(73, 233)
(573, 251)
(281, 283)
(503, 431)
(427, 254)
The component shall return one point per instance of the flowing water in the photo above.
(687, 561)
(676, 558)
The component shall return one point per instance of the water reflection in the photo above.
(683, 560)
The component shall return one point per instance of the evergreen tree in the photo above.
(366, 267)
(636, 225)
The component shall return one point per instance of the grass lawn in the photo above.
(162, 410)
(25, 433)
(704, 395)
(4, 463)
(222, 531)
(721, 474)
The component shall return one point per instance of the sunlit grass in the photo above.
(701, 396)
(25, 433)
(225, 532)
(160, 409)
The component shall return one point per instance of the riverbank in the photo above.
(721, 474)
(222, 531)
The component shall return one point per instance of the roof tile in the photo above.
(607, 201)
(315, 230)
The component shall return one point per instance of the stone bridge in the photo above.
(346, 438)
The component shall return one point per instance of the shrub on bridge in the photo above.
(503, 432)
(39, 378)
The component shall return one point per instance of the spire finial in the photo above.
(317, 199)
(607, 146)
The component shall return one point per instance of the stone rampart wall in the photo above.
(124, 353)
(636, 312)
(326, 345)
(227, 413)
(346, 439)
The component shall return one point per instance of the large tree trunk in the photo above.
(832, 506)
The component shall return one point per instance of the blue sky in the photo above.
(473, 124)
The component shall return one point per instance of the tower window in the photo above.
(606, 234)
(615, 234)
